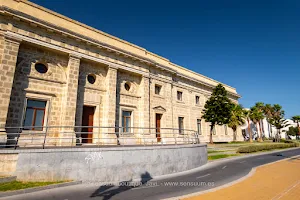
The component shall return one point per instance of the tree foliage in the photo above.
(217, 109)
(293, 131)
(237, 118)
(296, 119)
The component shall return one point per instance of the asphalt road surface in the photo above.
(210, 176)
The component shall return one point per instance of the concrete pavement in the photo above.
(279, 180)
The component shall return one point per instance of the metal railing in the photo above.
(92, 136)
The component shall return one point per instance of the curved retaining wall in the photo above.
(110, 164)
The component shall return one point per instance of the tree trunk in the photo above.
(234, 134)
(259, 130)
(278, 133)
(249, 130)
(211, 134)
(270, 130)
(262, 126)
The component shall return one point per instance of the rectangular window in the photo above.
(126, 121)
(180, 125)
(34, 115)
(225, 127)
(199, 126)
(157, 89)
(179, 96)
(215, 130)
(197, 100)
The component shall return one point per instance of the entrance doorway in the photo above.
(158, 126)
(87, 120)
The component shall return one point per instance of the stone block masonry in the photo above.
(90, 77)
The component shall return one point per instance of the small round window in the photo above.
(91, 78)
(41, 68)
(127, 86)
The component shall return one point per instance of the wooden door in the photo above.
(158, 126)
(87, 120)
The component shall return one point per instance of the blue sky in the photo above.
(253, 46)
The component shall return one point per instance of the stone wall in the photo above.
(96, 165)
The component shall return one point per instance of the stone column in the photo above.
(109, 107)
(69, 101)
(9, 48)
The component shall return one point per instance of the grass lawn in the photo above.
(215, 157)
(18, 185)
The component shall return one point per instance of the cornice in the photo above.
(12, 39)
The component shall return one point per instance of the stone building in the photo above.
(58, 73)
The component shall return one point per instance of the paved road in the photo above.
(213, 174)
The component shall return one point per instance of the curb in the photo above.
(251, 173)
(35, 189)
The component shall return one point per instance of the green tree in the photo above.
(237, 118)
(217, 109)
(256, 115)
(293, 131)
(296, 119)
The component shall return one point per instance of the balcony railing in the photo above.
(92, 136)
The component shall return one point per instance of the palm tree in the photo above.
(277, 119)
(237, 118)
(260, 106)
(247, 114)
(268, 114)
(256, 115)
(296, 119)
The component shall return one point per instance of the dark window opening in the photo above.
(41, 68)
(35, 114)
(180, 125)
(126, 121)
(91, 78)
(179, 96)
(199, 126)
(197, 100)
(157, 89)
(127, 86)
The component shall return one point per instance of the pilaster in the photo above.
(109, 106)
(145, 103)
(9, 48)
(69, 101)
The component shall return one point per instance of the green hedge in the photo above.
(265, 147)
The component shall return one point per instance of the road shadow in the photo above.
(108, 191)
(291, 158)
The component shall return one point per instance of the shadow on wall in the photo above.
(108, 191)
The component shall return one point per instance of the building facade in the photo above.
(59, 73)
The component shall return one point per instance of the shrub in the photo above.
(266, 147)
(288, 141)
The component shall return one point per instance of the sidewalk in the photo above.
(280, 180)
